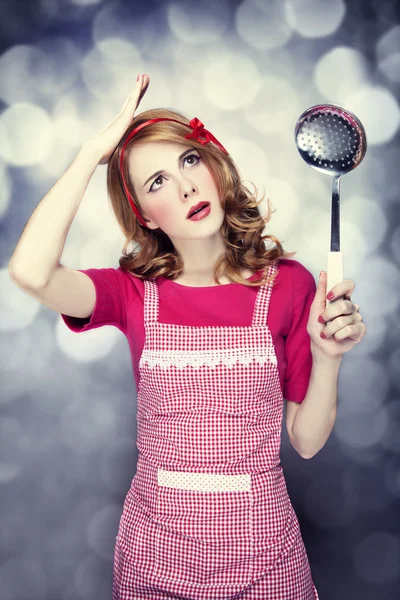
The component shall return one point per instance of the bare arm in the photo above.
(38, 252)
(35, 263)
(310, 423)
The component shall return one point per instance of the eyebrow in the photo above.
(162, 170)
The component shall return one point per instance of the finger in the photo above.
(339, 323)
(135, 93)
(353, 333)
(338, 308)
(146, 82)
(343, 288)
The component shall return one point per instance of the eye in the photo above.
(195, 156)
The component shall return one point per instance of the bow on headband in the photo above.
(198, 132)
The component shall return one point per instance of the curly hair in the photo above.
(153, 254)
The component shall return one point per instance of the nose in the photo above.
(189, 189)
(186, 194)
(187, 186)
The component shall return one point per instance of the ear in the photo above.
(150, 224)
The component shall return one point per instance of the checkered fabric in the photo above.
(208, 516)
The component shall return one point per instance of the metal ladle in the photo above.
(333, 141)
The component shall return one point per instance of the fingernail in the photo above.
(323, 335)
(138, 77)
(321, 319)
(330, 295)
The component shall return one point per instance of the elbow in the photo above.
(307, 456)
(301, 451)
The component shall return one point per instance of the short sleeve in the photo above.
(297, 343)
(110, 303)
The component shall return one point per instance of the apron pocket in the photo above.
(204, 536)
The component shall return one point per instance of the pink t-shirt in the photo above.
(120, 297)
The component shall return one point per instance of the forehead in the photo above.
(147, 157)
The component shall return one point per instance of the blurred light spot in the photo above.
(391, 441)
(378, 275)
(371, 456)
(198, 23)
(105, 247)
(390, 66)
(17, 308)
(262, 25)
(26, 134)
(250, 159)
(326, 505)
(275, 106)
(12, 385)
(191, 91)
(116, 464)
(231, 80)
(88, 422)
(112, 66)
(102, 529)
(53, 166)
(91, 578)
(365, 489)
(5, 189)
(284, 203)
(151, 33)
(87, 346)
(395, 245)
(86, 2)
(12, 525)
(378, 110)
(117, 20)
(315, 18)
(366, 382)
(61, 68)
(377, 557)
(95, 202)
(357, 432)
(340, 72)
(17, 575)
(392, 475)
(32, 73)
(94, 113)
(388, 54)
(68, 125)
(13, 449)
(62, 469)
(18, 74)
(371, 219)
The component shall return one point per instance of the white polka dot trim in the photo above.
(204, 482)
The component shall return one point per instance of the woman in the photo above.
(208, 513)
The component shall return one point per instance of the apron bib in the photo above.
(208, 508)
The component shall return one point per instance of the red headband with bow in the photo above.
(199, 133)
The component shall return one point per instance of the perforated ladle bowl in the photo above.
(333, 141)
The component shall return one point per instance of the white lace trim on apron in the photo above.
(206, 358)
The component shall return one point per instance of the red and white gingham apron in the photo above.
(208, 516)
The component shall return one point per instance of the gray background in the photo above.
(68, 401)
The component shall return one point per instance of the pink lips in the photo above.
(197, 207)
(201, 214)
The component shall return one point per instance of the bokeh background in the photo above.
(248, 70)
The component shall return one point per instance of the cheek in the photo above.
(206, 179)
(161, 212)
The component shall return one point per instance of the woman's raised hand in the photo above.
(108, 139)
